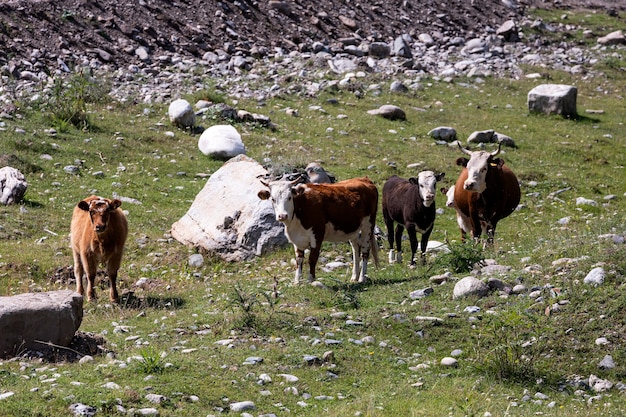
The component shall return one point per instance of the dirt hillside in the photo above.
(111, 31)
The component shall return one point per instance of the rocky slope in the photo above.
(65, 33)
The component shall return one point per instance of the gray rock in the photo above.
(228, 219)
(379, 50)
(401, 47)
(607, 362)
(13, 186)
(79, 409)
(445, 133)
(613, 38)
(221, 142)
(508, 30)
(317, 174)
(595, 277)
(389, 111)
(196, 260)
(30, 318)
(470, 286)
(181, 114)
(553, 99)
(481, 136)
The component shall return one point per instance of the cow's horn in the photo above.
(497, 151)
(465, 151)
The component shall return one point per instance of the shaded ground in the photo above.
(111, 31)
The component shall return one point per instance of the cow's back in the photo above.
(344, 204)
(399, 196)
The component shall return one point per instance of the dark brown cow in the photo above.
(98, 234)
(486, 192)
(410, 203)
(341, 212)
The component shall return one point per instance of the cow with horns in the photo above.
(485, 192)
(312, 213)
(411, 204)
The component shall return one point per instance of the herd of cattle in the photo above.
(485, 192)
(315, 209)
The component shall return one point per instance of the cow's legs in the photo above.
(112, 267)
(410, 229)
(78, 274)
(313, 256)
(398, 239)
(424, 245)
(491, 232)
(476, 228)
(299, 262)
(91, 267)
(392, 253)
(357, 271)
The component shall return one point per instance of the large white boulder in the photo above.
(30, 319)
(228, 219)
(181, 114)
(13, 186)
(553, 99)
(221, 142)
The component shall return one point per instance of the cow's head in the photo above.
(479, 163)
(281, 194)
(99, 210)
(449, 193)
(426, 182)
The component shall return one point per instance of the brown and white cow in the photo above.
(341, 212)
(462, 220)
(411, 204)
(486, 192)
(98, 234)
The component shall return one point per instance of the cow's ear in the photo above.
(444, 190)
(440, 176)
(298, 190)
(413, 181)
(462, 161)
(114, 204)
(497, 162)
(83, 205)
(264, 194)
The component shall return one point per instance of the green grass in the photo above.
(512, 347)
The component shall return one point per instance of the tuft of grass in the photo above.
(462, 257)
(151, 361)
(69, 100)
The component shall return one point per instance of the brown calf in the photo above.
(98, 233)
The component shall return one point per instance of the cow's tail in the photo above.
(374, 249)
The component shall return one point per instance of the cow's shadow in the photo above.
(130, 301)
(336, 284)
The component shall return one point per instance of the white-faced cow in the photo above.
(461, 219)
(341, 212)
(411, 204)
(486, 192)
(98, 234)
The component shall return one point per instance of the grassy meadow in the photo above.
(517, 355)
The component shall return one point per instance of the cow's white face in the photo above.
(427, 183)
(450, 197)
(477, 167)
(281, 195)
